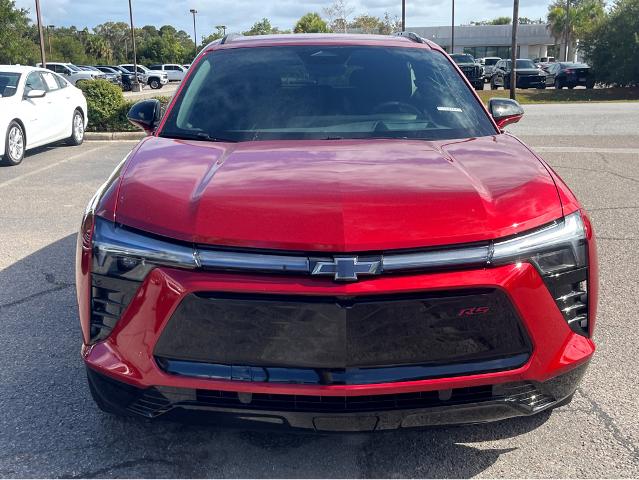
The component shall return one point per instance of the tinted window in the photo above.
(491, 61)
(8, 84)
(327, 92)
(34, 82)
(155, 67)
(62, 83)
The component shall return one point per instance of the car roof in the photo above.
(234, 40)
(20, 68)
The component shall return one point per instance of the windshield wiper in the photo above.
(198, 136)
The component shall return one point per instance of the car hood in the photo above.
(340, 196)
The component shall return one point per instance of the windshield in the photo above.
(521, 64)
(462, 58)
(491, 61)
(325, 92)
(8, 83)
(73, 68)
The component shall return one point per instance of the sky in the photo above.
(239, 15)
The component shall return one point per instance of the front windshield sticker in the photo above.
(449, 109)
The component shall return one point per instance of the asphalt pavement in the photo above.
(49, 425)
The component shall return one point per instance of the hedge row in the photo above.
(108, 107)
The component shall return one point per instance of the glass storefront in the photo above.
(480, 52)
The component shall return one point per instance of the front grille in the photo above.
(471, 72)
(306, 332)
(159, 400)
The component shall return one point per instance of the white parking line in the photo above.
(586, 150)
(51, 165)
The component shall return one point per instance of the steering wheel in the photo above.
(400, 107)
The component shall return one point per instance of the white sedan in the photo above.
(37, 107)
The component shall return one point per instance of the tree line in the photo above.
(608, 36)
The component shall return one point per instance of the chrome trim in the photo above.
(109, 239)
(436, 258)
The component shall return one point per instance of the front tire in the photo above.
(14, 146)
(77, 129)
(154, 83)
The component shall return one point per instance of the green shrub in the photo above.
(108, 107)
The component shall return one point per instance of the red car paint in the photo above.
(334, 196)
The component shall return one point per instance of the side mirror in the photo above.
(35, 94)
(505, 111)
(146, 114)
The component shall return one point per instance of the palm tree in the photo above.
(569, 21)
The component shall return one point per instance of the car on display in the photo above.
(37, 107)
(333, 233)
(153, 78)
(489, 66)
(71, 72)
(528, 75)
(110, 76)
(174, 71)
(473, 71)
(571, 75)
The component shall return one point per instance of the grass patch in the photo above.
(565, 95)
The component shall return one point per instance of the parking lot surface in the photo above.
(50, 427)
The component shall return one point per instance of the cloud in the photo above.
(239, 15)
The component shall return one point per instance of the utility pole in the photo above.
(567, 34)
(452, 30)
(513, 51)
(49, 38)
(194, 11)
(403, 15)
(135, 87)
(40, 32)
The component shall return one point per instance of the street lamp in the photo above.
(39, 17)
(135, 87)
(194, 11)
(513, 51)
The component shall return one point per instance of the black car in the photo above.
(473, 71)
(571, 75)
(126, 78)
(528, 75)
(110, 75)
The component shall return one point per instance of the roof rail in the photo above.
(229, 37)
(411, 36)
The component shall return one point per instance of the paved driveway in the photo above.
(50, 427)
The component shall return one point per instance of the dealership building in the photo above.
(533, 41)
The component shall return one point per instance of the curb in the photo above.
(113, 136)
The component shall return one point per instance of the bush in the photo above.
(105, 103)
(108, 107)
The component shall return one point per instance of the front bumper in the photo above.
(337, 414)
(128, 354)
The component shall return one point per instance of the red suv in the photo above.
(331, 232)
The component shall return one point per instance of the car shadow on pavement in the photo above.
(52, 427)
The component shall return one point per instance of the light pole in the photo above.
(135, 87)
(39, 17)
(452, 30)
(403, 15)
(194, 11)
(49, 37)
(513, 51)
(567, 26)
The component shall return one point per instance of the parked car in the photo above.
(37, 107)
(489, 66)
(528, 75)
(571, 75)
(351, 242)
(175, 72)
(71, 72)
(124, 78)
(186, 66)
(152, 78)
(544, 60)
(473, 71)
(113, 77)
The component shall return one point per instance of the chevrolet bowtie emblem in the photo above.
(347, 268)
